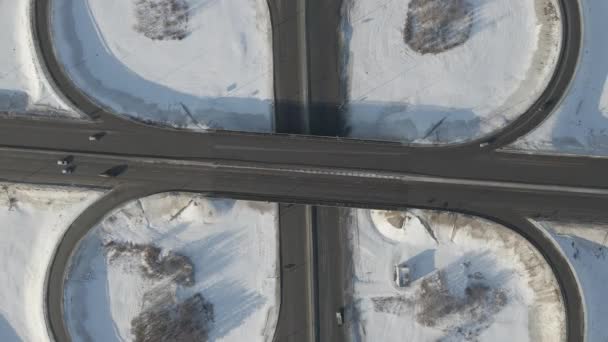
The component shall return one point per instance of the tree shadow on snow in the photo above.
(234, 300)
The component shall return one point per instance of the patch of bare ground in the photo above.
(162, 19)
(437, 305)
(187, 321)
(462, 316)
(550, 11)
(435, 26)
(163, 318)
(154, 265)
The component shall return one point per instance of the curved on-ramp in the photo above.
(570, 288)
(57, 270)
(293, 323)
(287, 329)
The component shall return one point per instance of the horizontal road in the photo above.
(296, 151)
(307, 185)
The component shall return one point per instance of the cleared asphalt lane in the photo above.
(297, 318)
(332, 259)
(296, 151)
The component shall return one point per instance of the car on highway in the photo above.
(68, 170)
(340, 317)
(97, 136)
(487, 142)
(402, 275)
(65, 161)
(114, 171)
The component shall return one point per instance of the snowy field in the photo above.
(580, 124)
(469, 280)
(193, 64)
(586, 245)
(32, 220)
(441, 72)
(178, 266)
(23, 86)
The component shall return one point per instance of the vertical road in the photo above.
(290, 65)
(327, 92)
(332, 258)
(297, 314)
(327, 96)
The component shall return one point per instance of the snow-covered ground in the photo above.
(32, 220)
(470, 280)
(194, 64)
(492, 64)
(586, 246)
(23, 86)
(580, 124)
(211, 265)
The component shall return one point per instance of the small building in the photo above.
(402, 275)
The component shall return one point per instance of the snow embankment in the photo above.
(469, 279)
(442, 72)
(185, 63)
(586, 246)
(179, 267)
(24, 89)
(32, 220)
(580, 124)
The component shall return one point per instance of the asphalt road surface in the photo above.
(332, 265)
(308, 170)
(298, 317)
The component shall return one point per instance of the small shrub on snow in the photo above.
(154, 265)
(188, 321)
(162, 19)
(435, 26)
